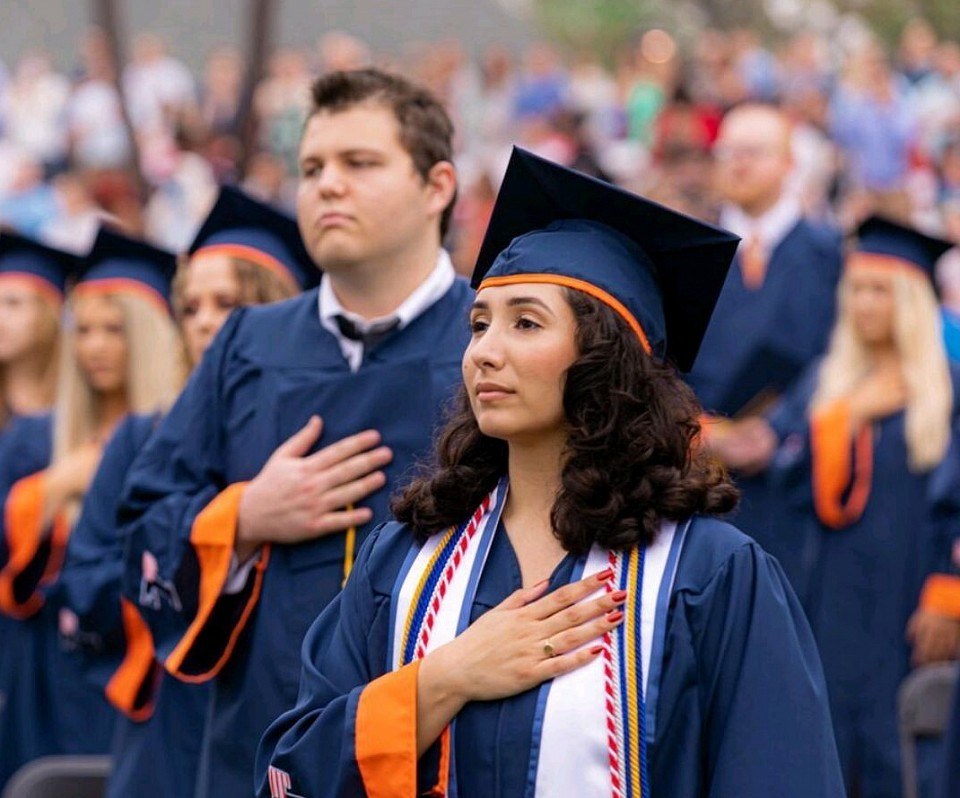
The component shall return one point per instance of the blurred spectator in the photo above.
(98, 138)
(339, 50)
(918, 41)
(159, 89)
(35, 101)
(870, 121)
(542, 89)
(73, 226)
(280, 103)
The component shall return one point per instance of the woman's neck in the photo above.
(534, 473)
(111, 408)
(25, 386)
(884, 357)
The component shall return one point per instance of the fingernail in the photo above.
(619, 596)
(596, 650)
(614, 617)
(541, 583)
(605, 576)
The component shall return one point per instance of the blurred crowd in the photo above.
(875, 128)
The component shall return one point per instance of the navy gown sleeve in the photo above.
(107, 630)
(313, 743)
(766, 723)
(178, 516)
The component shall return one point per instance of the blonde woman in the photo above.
(865, 450)
(33, 279)
(119, 355)
(245, 254)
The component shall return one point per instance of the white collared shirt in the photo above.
(770, 228)
(436, 284)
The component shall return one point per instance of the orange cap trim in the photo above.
(251, 254)
(122, 285)
(137, 667)
(213, 536)
(941, 595)
(833, 464)
(580, 285)
(43, 287)
(888, 263)
(386, 734)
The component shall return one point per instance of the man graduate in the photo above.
(777, 306)
(245, 508)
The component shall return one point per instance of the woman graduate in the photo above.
(119, 355)
(33, 280)
(245, 253)
(867, 471)
(557, 613)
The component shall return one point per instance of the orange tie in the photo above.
(753, 262)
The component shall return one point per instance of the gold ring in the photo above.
(548, 649)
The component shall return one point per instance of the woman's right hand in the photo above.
(524, 641)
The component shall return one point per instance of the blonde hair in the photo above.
(918, 336)
(47, 335)
(155, 374)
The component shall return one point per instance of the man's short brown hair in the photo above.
(426, 131)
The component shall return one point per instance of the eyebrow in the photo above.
(513, 302)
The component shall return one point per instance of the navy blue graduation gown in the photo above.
(156, 743)
(766, 337)
(860, 584)
(269, 369)
(742, 709)
(49, 707)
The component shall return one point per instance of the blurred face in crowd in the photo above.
(211, 292)
(27, 321)
(753, 158)
(870, 293)
(361, 202)
(100, 343)
(523, 340)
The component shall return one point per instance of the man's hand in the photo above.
(296, 497)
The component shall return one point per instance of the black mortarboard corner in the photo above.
(49, 269)
(119, 263)
(888, 239)
(242, 226)
(661, 270)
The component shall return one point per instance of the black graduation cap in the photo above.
(240, 225)
(661, 270)
(120, 263)
(880, 236)
(48, 268)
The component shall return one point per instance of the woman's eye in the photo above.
(477, 326)
(524, 323)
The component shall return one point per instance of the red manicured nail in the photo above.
(596, 650)
(619, 596)
(605, 576)
(614, 617)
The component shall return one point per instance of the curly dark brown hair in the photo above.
(633, 455)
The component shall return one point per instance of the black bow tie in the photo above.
(370, 337)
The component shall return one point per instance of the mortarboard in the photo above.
(660, 270)
(48, 269)
(119, 263)
(241, 226)
(887, 244)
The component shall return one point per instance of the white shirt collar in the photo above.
(771, 227)
(437, 283)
